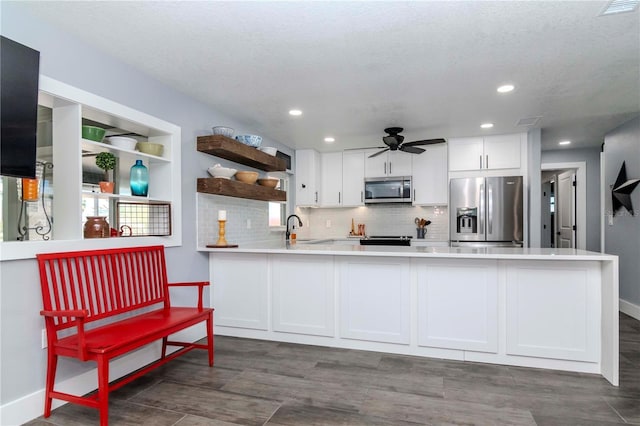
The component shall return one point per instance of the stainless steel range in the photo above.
(386, 240)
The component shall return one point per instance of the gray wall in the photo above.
(69, 60)
(623, 237)
(594, 212)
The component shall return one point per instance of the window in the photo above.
(278, 211)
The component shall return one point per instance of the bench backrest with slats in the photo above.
(103, 282)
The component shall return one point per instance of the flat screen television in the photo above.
(19, 72)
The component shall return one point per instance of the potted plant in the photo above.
(106, 161)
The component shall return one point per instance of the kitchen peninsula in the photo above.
(545, 308)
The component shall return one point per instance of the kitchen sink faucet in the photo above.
(288, 234)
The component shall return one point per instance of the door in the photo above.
(352, 178)
(546, 215)
(466, 209)
(566, 210)
(504, 208)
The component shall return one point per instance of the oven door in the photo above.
(387, 190)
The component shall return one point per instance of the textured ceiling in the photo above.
(355, 68)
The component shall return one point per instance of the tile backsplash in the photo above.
(381, 219)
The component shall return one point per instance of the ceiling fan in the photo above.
(394, 142)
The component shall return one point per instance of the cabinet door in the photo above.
(458, 305)
(374, 299)
(303, 295)
(430, 177)
(399, 163)
(502, 151)
(307, 177)
(239, 293)
(553, 310)
(353, 178)
(331, 179)
(376, 166)
(466, 154)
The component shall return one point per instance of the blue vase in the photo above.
(139, 179)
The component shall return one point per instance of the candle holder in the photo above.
(222, 241)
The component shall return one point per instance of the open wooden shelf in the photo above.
(232, 188)
(230, 149)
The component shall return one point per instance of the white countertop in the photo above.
(326, 248)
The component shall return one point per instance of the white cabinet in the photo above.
(430, 176)
(390, 163)
(331, 179)
(303, 295)
(458, 305)
(550, 310)
(374, 299)
(485, 153)
(240, 289)
(307, 176)
(352, 178)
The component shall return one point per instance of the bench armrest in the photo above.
(79, 315)
(200, 284)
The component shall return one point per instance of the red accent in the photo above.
(81, 287)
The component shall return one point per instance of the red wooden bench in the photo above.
(81, 287)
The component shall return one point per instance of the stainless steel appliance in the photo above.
(386, 240)
(387, 190)
(486, 211)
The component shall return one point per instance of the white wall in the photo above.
(382, 219)
(622, 237)
(594, 212)
(69, 60)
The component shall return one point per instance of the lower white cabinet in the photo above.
(550, 310)
(240, 290)
(458, 305)
(303, 295)
(374, 299)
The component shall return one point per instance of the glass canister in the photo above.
(139, 179)
(96, 227)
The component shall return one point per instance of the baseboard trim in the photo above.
(31, 406)
(630, 309)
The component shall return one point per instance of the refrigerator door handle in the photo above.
(489, 209)
(482, 213)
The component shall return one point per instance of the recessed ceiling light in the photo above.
(329, 140)
(486, 125)
(506, 88)
(620, 6)
(564, 142)
(295, 112)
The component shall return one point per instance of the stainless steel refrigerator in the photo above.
(486, 211)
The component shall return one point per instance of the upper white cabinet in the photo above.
(430, 176)
(352, 178)
(331, 179)
(307, 178)
(485, 153)
(390, 163)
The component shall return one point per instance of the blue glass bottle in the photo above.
(139, 179)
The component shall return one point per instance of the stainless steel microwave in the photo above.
(387, 190)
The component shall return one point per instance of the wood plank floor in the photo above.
(268, 383)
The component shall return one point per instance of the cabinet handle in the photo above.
(389, 167)
(414, 194)
(316, 196)
(338, 197)
(362, 196)
(385, 167)
(486, 163)
(481, 161)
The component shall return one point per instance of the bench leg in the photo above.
(164, 347)
(210, 338)
(103, 390)
(52, 364)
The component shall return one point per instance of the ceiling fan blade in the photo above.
(411, 149)
(425, 142)
(378, 153)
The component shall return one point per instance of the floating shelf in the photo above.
(230, 149)
(232, 188)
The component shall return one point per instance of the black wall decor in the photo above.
(621, 191)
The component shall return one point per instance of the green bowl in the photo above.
(93, 133)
